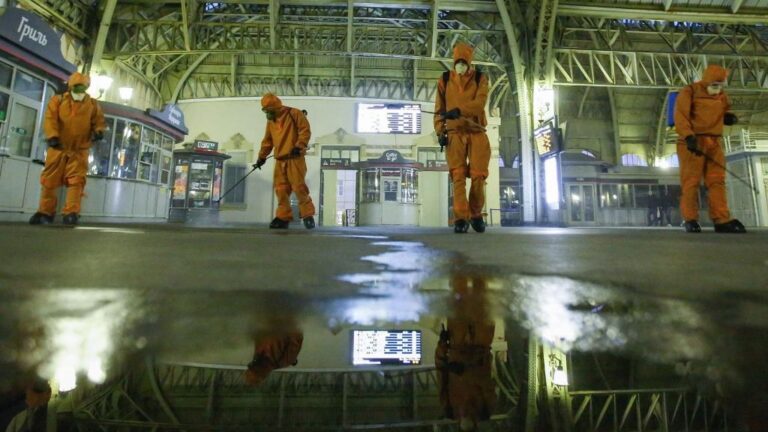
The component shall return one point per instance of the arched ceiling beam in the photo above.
(692, 14)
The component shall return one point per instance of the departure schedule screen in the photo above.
(386, 347)
(389, 118)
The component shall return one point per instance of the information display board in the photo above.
(547, 140)
(388, 118)
(386, 347)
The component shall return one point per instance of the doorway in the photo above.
(581, 204)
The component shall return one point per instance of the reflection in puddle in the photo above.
(548, 352)
(69, 332)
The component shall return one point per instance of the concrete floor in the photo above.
(659, 295)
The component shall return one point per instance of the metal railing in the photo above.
(665, 410)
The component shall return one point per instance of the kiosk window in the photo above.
(370, 185)
(200, 183)
(126, 149)
(6, 75)
(29, 86)
(166, 171)
(149, 160)
(98, 160)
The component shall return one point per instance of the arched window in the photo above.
(588, 153)
(669, 161)
(516, 162)
(632, 159)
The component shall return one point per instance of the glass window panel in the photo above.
(167, 143)
(6, 75)
(390, 190)
(4, 100)
(201, 173)
(370, 185)
(125, 150)
(575, 197)
(21, 131)
(609, 196)
(42, 146)
(642, 196)
(29, 86)
(148, 160)
(98, 160)
(589, 203)
(165, 167)
(409, 189)
(625, 196)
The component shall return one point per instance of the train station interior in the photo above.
(186, 281)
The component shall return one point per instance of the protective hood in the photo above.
(271, 102)
(714, 73)
(78, 78)
(462, 51)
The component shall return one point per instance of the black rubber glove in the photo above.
(693, 147)
(730, 119)
(296, 151)
(98, 136)
(53, 142)
(452, 114)
(259, 163)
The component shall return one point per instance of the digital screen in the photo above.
(386, 347)
(389, 118)
(546, 140)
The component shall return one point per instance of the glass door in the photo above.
(581, 204)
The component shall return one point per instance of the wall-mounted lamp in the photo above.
(99, 84)
(126, 93)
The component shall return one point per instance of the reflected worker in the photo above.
(463, 356)
(273, 351)
(287, 135)
(72, 121)
(39, 416)
(461, 97)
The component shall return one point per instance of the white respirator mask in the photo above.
(78, 96)
(461, 68)
(714, 89)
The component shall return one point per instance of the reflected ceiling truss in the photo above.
(212, 398)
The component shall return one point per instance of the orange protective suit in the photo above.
(272, 352)
(468, 151)
(701, 114)
(289, 130)
(74, 124)
(463, 359)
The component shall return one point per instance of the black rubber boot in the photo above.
(71, 219)
(732, 227)
(309, 222)
(278, 223)
(692, 226)
(478, 224)
(460, 226)
(40, 219)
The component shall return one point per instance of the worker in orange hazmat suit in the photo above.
(461, 97)
(72, 121)
(701, 109)
(287, 135)
(463, 355)
(273, 351)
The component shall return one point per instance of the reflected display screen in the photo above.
(386, 347)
